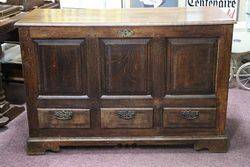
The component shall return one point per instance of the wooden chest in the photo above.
(126, 76)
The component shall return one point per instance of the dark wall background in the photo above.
(166, 3)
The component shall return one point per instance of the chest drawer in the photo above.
(189, 117)
(64, 118)
(127, 118)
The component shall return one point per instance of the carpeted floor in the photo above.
(12, 147)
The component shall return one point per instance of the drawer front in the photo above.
(189, 117)
(64, 118)
(127, 118)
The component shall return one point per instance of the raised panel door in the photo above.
(62, 66)
(126, 67)
(191, 65)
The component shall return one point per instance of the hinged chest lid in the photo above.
(126, 17)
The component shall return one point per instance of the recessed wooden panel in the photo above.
(189, 117)
(191, 65)
(64, 118)
(126, 66)
(62, 66)
(127, 118)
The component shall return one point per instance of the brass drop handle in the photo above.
(190, 115)
(125, 33)
(127, 115)
(63, 115)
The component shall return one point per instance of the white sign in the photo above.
(230, 7)
(155, 3)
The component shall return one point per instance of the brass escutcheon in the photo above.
(63, 115)
(125, 33)
(190, 115)
(127, 115)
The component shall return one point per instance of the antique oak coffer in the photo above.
(126, 77)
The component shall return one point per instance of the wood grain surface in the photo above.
(126, 17)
